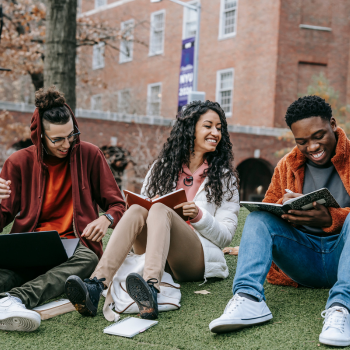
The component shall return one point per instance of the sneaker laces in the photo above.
(13, 299)
(233, 304)
(335, 317)
(95, 283)
(151, 282)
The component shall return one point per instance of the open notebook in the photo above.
(321, 196)
(170, 200)
(129, 327)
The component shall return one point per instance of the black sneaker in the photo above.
(84, 295)
(144, 294)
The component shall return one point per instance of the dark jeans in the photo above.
(35, 286)
(309, 260)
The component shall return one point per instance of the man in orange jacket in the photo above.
(312, 247)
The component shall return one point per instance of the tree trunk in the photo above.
(37, 80)
(60, 47)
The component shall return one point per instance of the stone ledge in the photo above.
(140, 119)
(308, 26)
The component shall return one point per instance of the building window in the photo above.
(99, 3)
(156, 46)
(224, 89)
(98, 56)
(228, 18)
(79, 4)
(190, 22)
(126, 43)
(154, 96)
(124, 101)
(96, 102)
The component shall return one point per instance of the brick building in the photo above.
(255, 58)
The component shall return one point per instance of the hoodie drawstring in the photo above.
(81, 170)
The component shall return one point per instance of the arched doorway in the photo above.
(255, 176)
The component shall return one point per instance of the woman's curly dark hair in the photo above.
(306, 107)
(222, 177)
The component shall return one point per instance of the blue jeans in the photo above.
(309, 260)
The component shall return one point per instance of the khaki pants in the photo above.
(163, 236)
(35, 286)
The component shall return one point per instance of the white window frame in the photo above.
(219, 90)
(79, 7)
(222, 34)
(98, 50)
(186, 12)
(124, 43)
(119, 104)
(151, 38)
(100, 3)
(149, 89)
(92, 102)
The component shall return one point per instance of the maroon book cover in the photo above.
(170, 200)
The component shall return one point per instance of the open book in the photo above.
(171, 200)
(322, 196)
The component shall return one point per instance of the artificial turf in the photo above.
(296, 324)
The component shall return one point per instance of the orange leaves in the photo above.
(11, 131)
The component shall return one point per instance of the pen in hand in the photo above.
(288, 191)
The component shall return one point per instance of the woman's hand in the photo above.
(97, 229)
(189, 209)
(4, 189)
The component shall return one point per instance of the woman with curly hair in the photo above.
(197, 157)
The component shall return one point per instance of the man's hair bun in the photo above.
(46, 99)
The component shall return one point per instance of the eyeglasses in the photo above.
(60, 140)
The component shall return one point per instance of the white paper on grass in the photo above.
(129, 327)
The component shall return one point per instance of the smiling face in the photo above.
(54, 132)
(208, 132)
(315, 138)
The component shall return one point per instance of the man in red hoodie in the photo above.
(56, 184)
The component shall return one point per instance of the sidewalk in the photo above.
(296, 324)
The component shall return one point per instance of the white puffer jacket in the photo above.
(215, 229)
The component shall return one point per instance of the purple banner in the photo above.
(186, 71)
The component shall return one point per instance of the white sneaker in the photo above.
(15, 317)
(336, 328)
(240, 312)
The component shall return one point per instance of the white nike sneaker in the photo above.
(336, 328)
(240, 312)
(15, 317)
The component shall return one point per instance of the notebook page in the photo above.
(129, 327)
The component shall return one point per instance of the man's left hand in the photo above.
(97, 229)
(317, 217)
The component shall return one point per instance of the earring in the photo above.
(41, 135)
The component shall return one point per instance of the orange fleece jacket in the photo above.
(289, 173)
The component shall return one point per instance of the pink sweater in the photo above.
(192, 190)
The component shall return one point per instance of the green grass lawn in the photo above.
(296, 324)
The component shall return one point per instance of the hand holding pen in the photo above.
(289, 195)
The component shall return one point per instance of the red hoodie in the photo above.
(93, 185)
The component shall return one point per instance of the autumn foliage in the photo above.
(23, 38)
(320, 86)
